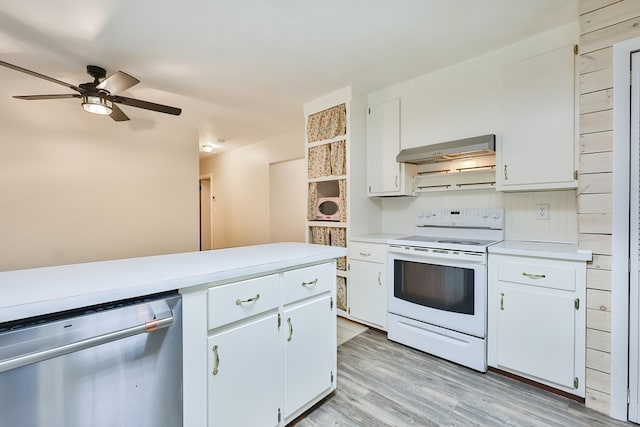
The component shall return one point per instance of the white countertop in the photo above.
(562, 251)
(37, 291)
(377, 237)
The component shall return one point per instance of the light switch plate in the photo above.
(542, 211)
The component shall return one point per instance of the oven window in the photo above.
(436, 286)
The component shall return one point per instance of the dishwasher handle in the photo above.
(41, 355)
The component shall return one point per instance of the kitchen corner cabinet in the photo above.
(536, 319)
(271, 346)
(385, 176)
(538, 150)
(368, 290)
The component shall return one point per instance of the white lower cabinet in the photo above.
(244, 374)
(368, 290)
(308, 352)
(536, 319)
(271, 345)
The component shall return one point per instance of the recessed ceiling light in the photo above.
(207, 148)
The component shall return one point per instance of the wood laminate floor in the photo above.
(383, 383)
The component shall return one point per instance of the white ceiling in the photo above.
(241, 69)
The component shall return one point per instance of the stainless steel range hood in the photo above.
(460, 148)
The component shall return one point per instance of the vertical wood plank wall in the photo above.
(602, 23)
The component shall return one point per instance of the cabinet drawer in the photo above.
(548, 275)
(306, 282)
(368, 252)
(238, 300)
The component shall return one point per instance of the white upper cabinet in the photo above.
(385, 176)
(538, 149)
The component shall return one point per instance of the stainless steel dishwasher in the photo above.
(116, 364)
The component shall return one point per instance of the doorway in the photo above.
(287, 201)
(625, 261)
(206, 213)
(634, 242)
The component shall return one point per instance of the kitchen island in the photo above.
(231, 298)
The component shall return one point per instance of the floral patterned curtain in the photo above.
(319, 161)
(327, 124)
(342, 188)
(338, 237)
(312, 201)
(320, 235)
(338, 158)
(341, 293)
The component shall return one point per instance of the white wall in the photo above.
(76, 187)
(241, 188)
(462, 101)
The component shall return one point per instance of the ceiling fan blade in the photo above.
(118, 82)
(37, 97)
(41, 76)
(117, 114)
(146, 105)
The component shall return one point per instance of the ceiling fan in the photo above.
(100, 95)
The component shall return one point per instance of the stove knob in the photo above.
(420, 214)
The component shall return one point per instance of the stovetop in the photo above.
(471, 230)
(452, 243)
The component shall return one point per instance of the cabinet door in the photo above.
(538, 134)
(536, 333)
(244, 374)
(309, 350)
(383, 145)
(368, 292)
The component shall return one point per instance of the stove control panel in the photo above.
(475, 218)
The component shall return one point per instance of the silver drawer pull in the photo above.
(379, 278)
(311, 283)
(242, 301)
(533, 276)
(365, 253)
(216, 360)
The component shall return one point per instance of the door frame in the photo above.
(620, 228)
(206, 177)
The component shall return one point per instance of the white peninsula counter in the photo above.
(258, 327)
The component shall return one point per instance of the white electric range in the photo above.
(437, 298)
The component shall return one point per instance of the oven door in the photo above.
(447, 290)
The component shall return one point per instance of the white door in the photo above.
(368, 293)
(546, 350)
(383, 145)
(205, 214)
(244, 377)
(287, 201)
(308, 352)
(634, 244)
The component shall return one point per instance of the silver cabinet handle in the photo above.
(49, 353)
(501, 300)
(380, 278)
(533, 276)
(216, 360)
(290, 329)
(242, 301)
(396, 182)
(311, 283)
(365, 253)
(506, 178)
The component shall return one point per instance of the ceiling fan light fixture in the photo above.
(97, 105)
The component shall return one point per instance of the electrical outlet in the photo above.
(542, 211)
